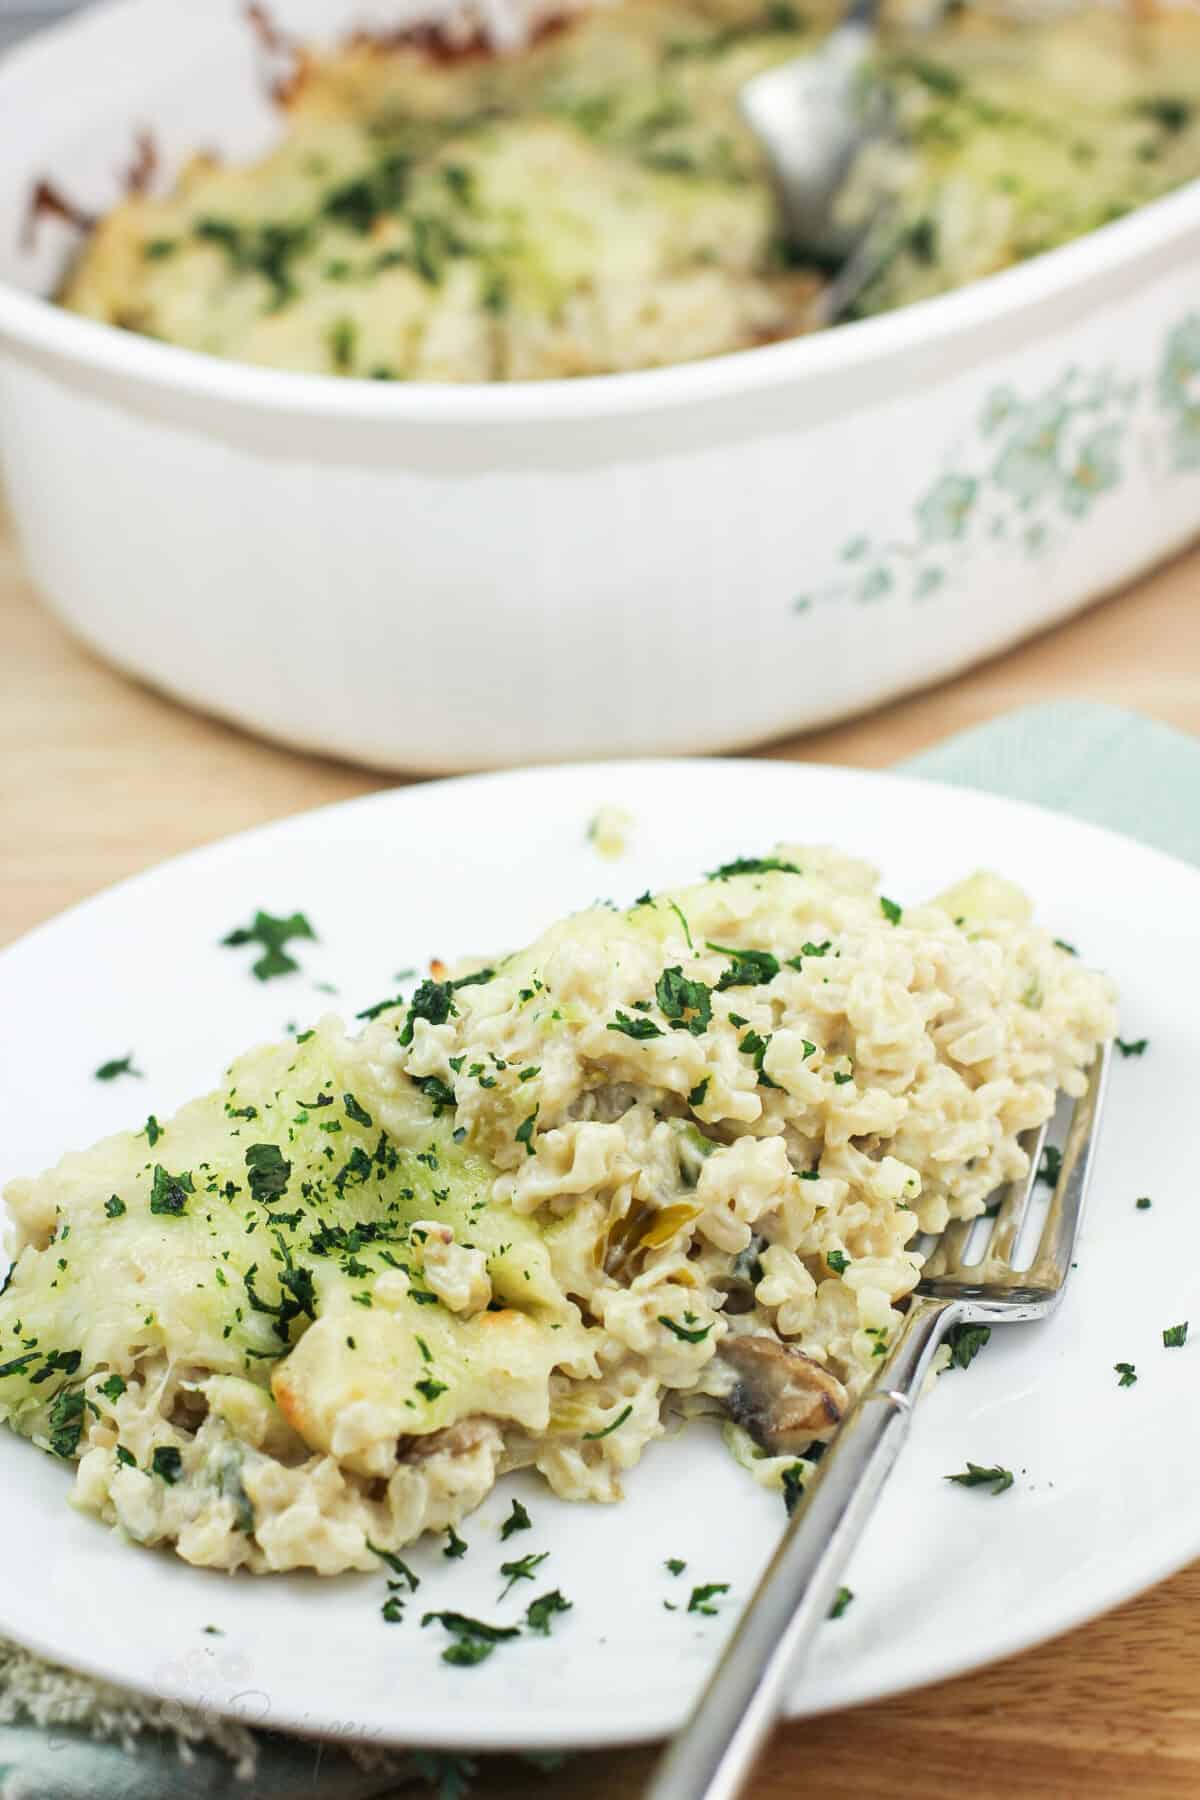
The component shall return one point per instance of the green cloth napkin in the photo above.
(1094, 762)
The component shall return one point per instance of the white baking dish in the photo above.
(431, 577)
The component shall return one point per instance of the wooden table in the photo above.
(100, 777)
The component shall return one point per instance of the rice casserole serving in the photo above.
(667, 1159)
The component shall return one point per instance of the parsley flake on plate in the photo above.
(1127, 1373)
(455, 1546)
(1143, 1203)
(539, 1612)
(398, 1568)
(675, 1565)
(522, 1568)
(474, 1639)
(966, 1341)
(998, 1479)
(1132, 1047)
(517, 1520)
(271, 934)
(842, 1600)
(702, 1597)
(119, 1065)
(1175, 1336)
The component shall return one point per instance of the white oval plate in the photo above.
(945, 1579)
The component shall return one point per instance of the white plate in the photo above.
(945, 1579)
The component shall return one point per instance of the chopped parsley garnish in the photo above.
(392, 1610)
(1133, 1047)
(891, 912)
(19, 1364)
(793, 1487)
(687, 930)
(539, 1612)
(675, 1564)
(380, 1006)
(168, 1193)
(517, 1520)
(474, 1640)
(635, 1028)
(433, 1002)
(689, 1335)
(749, 968)
(443, 1097)
(522, 1569)
(591, 1436)
(454, 1546)
(755, 1046)
(1175, 1336)
(356, 1112)
(841, 1601)
(966, 1341)
(1062, 944)
(998, 1479)
(125, 1457)
(696, 1094)
(120, 1065)
(1143, 1203)
(66, 1422)
(1050, 1167)
(269, 1171)
(152, 1131)
(398, 1568)
(838, 1261)
(272, 934)
(524, 1132)
(167, 1462)
(1127, 1372)
(113, 1388)
(114, 1206)
(753, 865)
(840, 1080)
(687, 1004)
(430, 1388)
(702, 1597)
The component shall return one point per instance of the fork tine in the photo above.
(945, 1260)
(1011, 1216)
(1066, 1208)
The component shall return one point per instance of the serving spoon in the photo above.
(812, 116)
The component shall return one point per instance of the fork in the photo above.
(715, 1752)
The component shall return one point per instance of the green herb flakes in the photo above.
(842, 1600)
(167, 1464)
(966, 1341)
(974, 1475)
(517, 1520)
(1127, 1373)
(702, 1597)
(120, 1065)
(1175, 1336)
(272, 934)
(539, 1612)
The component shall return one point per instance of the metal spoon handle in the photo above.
(715, 1751)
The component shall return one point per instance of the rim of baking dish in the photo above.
(1113, 257)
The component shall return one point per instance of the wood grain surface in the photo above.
(100, 777)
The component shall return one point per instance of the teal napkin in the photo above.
(1094, 762)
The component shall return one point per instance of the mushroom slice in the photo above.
(781, 1396)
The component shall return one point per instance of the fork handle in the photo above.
(715, 1752)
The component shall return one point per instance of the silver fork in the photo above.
(716, 1749)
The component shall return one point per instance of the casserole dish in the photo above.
(703, 556)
